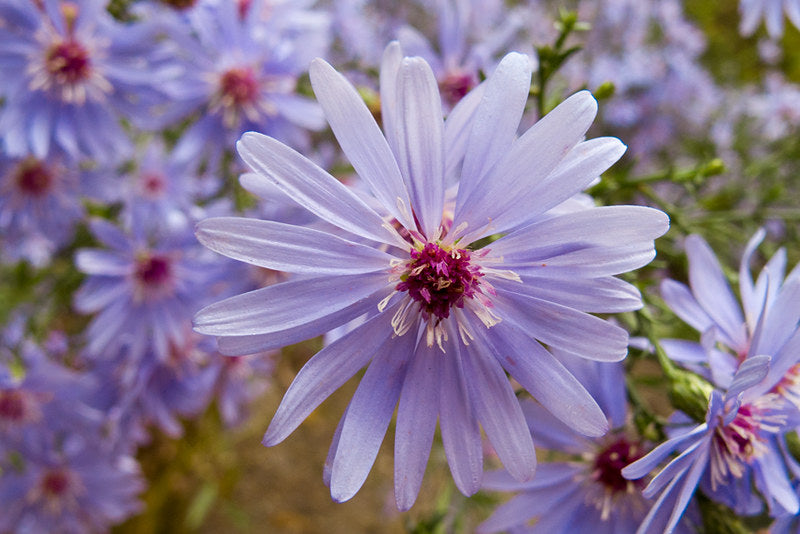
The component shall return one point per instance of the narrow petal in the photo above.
(311, 187)
(684, 351)
(688, 488)
(531, 158)
(751, 371)
(360, 138)
(681, 301)
(457, 128)
(594, 295)
(644, 465)
(287, 247)
(285, 305)
(420, 141)
(746, 288)
(460, 433)
(596, 227)
(547, 380)
(416, 422)
(592, 262)
(570, 330)
(496, 120)
(390, 67)
(498, 411)
(713, 293)
(101, 262)
(368, 416)
(325, 372)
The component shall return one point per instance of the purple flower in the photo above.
(70, 73)
(771, 11)
(242, 63)
(74, 491)
(589, 492)
(143, 287)
(440, 310)
(726, 455)
(39, 208)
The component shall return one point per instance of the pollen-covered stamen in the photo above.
(439, 279)
(607, 468)
(239, 93)
(68, 62)
(33, 178)
(745, 438)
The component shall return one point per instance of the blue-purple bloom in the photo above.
(750, 354)
(70, 73)
(39, 208)
(444, 318)
(143, 287)
(586, 493)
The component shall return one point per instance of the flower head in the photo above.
(444, 317)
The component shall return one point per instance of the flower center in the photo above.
(152, 184)
(439, 279)
(609, 462)
(12, 406)
(455, 86)
(238, 87)
(55, 484)
(67, 62)
(180, 4)
(33, 178)
(154, 271)
(736, 444)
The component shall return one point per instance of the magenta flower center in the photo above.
(153, 184)
(455, 86)
(68, 62)
(55, 483)
(33, 178)
(739, 438)
(609, 462)
(154, 271)
(439, 279)
(239, 87)
(12, 406)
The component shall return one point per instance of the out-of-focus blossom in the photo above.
(143, 287)
(439, 313)
(771, 11)
(70, 73)
(39, 208)
(242, 63)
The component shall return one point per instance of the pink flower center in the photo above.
(439, 279)
(609, 462)
(68, 62)
(239, 87)
(33, 178)
(154, 271)
(55, 483)
(12, 406)
(455, 86)
(153, 184)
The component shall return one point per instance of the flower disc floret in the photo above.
(33, 178)
(439, 279)
(68, 62)
(610, 461)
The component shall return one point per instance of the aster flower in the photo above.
(76, 72)
(731, 451)
(440, 311)
(143, 287)
(74, 491)
(242, 63)
(587, 493)
(39, 207)
(771, 11)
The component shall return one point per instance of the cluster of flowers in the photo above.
(459, 253)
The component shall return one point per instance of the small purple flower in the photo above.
(726, 455)
(771, 11)
(242, 64)
(439, 310)
(70, 73)
(143, 287)
(39, 208)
